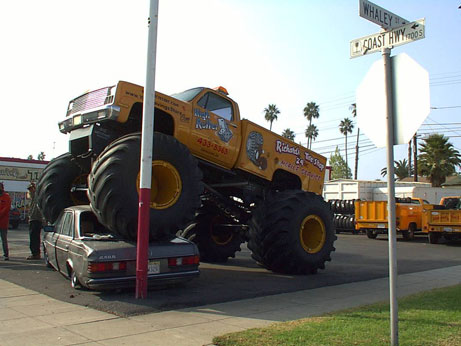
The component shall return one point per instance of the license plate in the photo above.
(153, 267)
(381, 225)
(448, 229)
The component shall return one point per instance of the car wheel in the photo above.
(74, 282)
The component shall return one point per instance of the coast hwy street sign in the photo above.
(387, 39)
(379, 15)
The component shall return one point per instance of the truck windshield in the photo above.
(187, 95)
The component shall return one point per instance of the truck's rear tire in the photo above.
(410, 233)
(433, 237)
(292, 233)
(54, 188)
(176, 186)
(371, 234)
(213, 235)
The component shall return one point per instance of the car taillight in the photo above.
(183, 261)
(100, 267)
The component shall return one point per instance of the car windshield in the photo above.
(187, 95)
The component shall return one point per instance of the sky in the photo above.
(263, 52)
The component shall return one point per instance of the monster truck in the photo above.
(217, 179)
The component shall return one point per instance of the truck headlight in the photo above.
(77, 120)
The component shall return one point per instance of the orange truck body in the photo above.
(442, 221)
(373, 215)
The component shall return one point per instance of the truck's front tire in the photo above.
(54, 188)
(292, 233)
(175, 194)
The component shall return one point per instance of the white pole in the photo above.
(391, 200)
(146, 155)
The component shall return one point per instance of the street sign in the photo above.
(379, 15)
(411, 100)
(387, 39)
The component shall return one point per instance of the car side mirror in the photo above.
(48, 228)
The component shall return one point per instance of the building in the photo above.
(16, 175)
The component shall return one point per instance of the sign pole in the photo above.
(391, 199)
(147, 140)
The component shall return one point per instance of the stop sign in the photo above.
(410, 85)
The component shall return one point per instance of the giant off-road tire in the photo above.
(176, 186)
(54, 188)
(292, 233)
(215, 235)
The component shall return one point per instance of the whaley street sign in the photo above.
(387, 39)
(379, 15)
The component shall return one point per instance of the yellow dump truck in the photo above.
(446, 223)
(371, 216)
(217, 179)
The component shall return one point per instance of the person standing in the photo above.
(35, 225)
(5, 206)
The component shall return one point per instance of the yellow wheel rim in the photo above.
(166, 185)
(220, 237)
(312, 234)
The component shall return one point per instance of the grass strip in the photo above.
(428, 318)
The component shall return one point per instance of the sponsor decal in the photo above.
(223, 131)
(286, 148)
(255, 151)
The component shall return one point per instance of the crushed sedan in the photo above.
(80, 248)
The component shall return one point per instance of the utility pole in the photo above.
(415, 157)
(409, 158)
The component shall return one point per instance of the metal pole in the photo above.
(415, 157)
(146, 156)
(391, 199)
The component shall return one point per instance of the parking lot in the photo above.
(357, 258)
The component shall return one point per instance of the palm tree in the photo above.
(353, 109)
(438, 159)
(270, 113)
(401, 169)
(345, 127)
(311, 111)
(311, 133)
(287, 133)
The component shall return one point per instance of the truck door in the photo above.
(215, 134)
(63, 241)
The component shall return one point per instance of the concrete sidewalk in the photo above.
(30, 318)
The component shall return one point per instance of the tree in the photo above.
(287, 133)
(438, 159)
(345, 127)
(311, 111)
(402, 169)
(271, 113)
(353, 109)
(311, 133)
(41, 156)
(339, 168)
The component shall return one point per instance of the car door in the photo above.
(49, 241)
(65, 235)
(215, 134)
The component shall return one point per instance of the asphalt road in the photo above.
(357, 258)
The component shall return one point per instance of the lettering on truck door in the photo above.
(215, 129)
